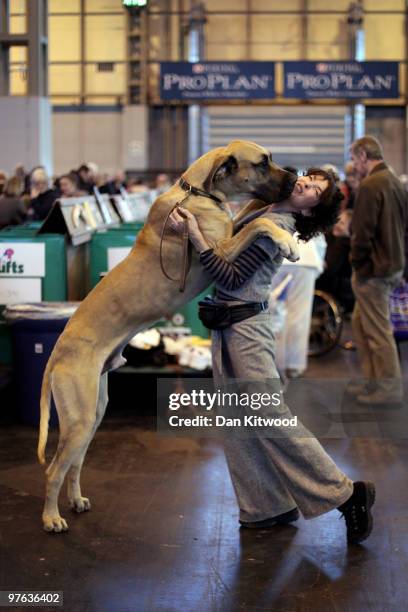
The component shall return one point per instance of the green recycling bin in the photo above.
(109, 247)
(32, 268)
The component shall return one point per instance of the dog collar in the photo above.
(196, 191)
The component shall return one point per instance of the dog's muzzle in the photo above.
(288, 186)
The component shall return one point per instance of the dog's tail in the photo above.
(45, 402)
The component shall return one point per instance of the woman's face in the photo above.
(307, 192)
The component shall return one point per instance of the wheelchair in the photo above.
(326, 325)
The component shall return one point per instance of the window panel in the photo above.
(64, 39)
(18, 71)
(18, 24)
(385, 5)
(110, 83)
(103, 6)
(385, 37)
(61, 100)
(64, 79)
(18, 54)
(67, 6)
(18, 81)
(105, 38)
(17, 6)
(327, 38)
(323, 5)
(275, 5)
(98, 100)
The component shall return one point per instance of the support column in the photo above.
(26, 124)
(197, 20)
(355, 22)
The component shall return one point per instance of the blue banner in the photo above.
(349, 79)
(217, 80)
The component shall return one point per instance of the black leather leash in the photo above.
(186, 244)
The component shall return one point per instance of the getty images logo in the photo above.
(8, 266)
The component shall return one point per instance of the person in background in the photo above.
(67, 185)
(13, 209)
(349, 186)
(20, 172)
(85, 179)
(336, 277)
(163, 183)
(3, 180)
(113, 186)
(137, 185)
(94, 174)
(378, 259)
(293, 342)
(404, 181)
(42, 196)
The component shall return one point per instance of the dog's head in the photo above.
(244, 167)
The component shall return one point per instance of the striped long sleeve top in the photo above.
(233, 275)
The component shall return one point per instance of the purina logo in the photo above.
(8, 266)
(198, 69)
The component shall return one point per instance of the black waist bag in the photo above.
(220, 316)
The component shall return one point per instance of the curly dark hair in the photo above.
(325, 214)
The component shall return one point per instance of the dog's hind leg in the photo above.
(77, 502)
(76, 396)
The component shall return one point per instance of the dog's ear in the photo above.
(223, 166)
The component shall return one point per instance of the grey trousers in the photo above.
(373, 335)
(272, 475)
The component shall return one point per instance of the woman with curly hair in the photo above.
(275, 477)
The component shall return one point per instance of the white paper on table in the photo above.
(16, 290)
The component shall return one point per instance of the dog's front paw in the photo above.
(54, 523)
(289, 248)
(80, 504)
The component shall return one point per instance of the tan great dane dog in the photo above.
(136, 293)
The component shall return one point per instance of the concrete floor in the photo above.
(163, 532)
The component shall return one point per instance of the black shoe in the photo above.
(281, 519)
(356, 511)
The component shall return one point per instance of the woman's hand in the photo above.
(176, 222)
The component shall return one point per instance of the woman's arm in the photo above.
(233, 275)
(230, 275)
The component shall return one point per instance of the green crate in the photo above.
(13, 232)
(123, 237)
(135, 227)
(101, 242)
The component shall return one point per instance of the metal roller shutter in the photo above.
(298, 136)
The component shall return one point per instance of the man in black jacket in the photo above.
(377, 258)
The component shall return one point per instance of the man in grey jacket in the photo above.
(377, 258)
